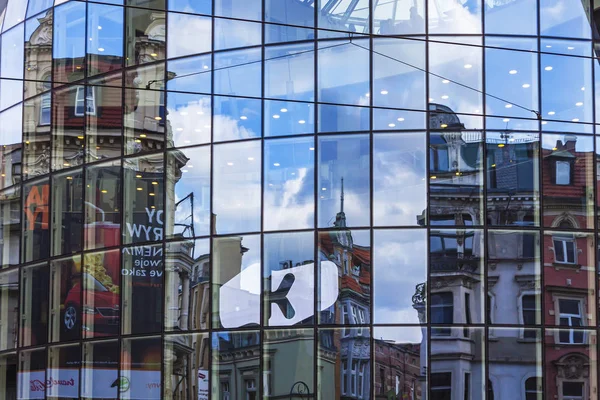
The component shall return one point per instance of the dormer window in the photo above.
(563, 172)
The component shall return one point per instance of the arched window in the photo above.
(533, 388)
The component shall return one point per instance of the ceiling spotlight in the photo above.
(508, 106)
(579, 104)
(400, 119)
(445, 81)
(302, 121)
(276, 116)
(283, 110)
(512, 71)
(526, 85)
(575, 120)
(384, 92)
(445, 97)
(548, 68)
(468, 66)
(243, 117)
(391, 125)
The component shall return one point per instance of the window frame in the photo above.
(85, 101)
(563, 240)
(442, 331)
(567, 163)
(560, 315)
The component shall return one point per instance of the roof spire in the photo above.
(340, 218)
(342, 197)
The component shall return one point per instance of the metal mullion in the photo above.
(316, 206)
(212, 228)
(261, 302)
(428, 358)
(484, 220)
(370, 328)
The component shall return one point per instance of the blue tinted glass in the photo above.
(36, 6)
(191, 6)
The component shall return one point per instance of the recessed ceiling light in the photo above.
(570, 48)
(551, 113)
(99, 27)
(323, 189)
(205, 66)
(548, 68)
(445, 96)
(384, 92)
(445, 81)
(444, 125)
(400, 119)
(431, 99)
(243, 117)
(367, 94)
(311, 148)
(283, 110)
(508, 106)
(302, 121)
(100, 48)
(579, 104)
(391, 125)
(468, 66)
(526, 85)
(583, 88)
(548, 46)
(250, 158)
(158, 118)
(276, 164)
(153, 55)
(544, 122)
(230, 164)
(506, 120)
(276, 116)
(575, 120)
(512, 71)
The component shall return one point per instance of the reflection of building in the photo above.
(397, 371)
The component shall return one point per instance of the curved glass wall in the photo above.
(333, 199)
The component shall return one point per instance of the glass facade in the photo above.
(292, 199)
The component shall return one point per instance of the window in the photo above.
(442, 309)
(46, 102)
(441, 386)
(381, 381)
(490, 390)
(353, 373)
(529, 311)
(564, 249)
(570, 314)
(438, 160)
(572, 391)
(467, 314)
(533, 389)
(251, 390)
(80, 101)
(225, 390)
(489, 308)
(563, 173)
(467, 385)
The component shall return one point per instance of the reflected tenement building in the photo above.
(299, 199)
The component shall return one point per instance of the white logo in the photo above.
(239, 298)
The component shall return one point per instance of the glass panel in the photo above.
(143, 200)
(67, 212)
(186, 367)
(31, 375)
(399, 276)
(344, 178)
(240, 380)
(350, 16)
(186, 286)
(517, 17)
(142, 287)
(564, 18)
(505, 250)
(460, 63)
(288, 279)
(398, 73)
(100, 365)
(339, 81)
(289, 72)
(562, 97)
(558, 363)
(294, 118)
(191, 74)
(281, 346)
(36, 133)
(191, 6)
(141, 361)
(448, 370)
(9, 314)
(65, 299)
(289, 12)
(36, 6)
(451, 16)
(513, 77)
(8, 376)
(235, 118)
(105, 41)
(399, 17)
(231, 34)
(12, 53)
(105, 119)
(236, 187)
(10, 228)
(33, 307)
(568, 203)
(333, 118)
(15, 13)
(144, 120)
(289, 184)
(38, 64)
(145, 35)
(399, 187)
(188, 203)
(238, 73)
(189, 119)
(11, 148)
(69, 42)
(102, 205)
(188, 34)
(399, 352)
(344, 363)
(156, 4)
(512, 178)
(456, 178)
(70, 105)
(569, 278)
(460, 253)
(344, 277)
(62, 373)
(236, 273)
(519, 376)
(244, 9)
(101, 294)
(36, 232)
